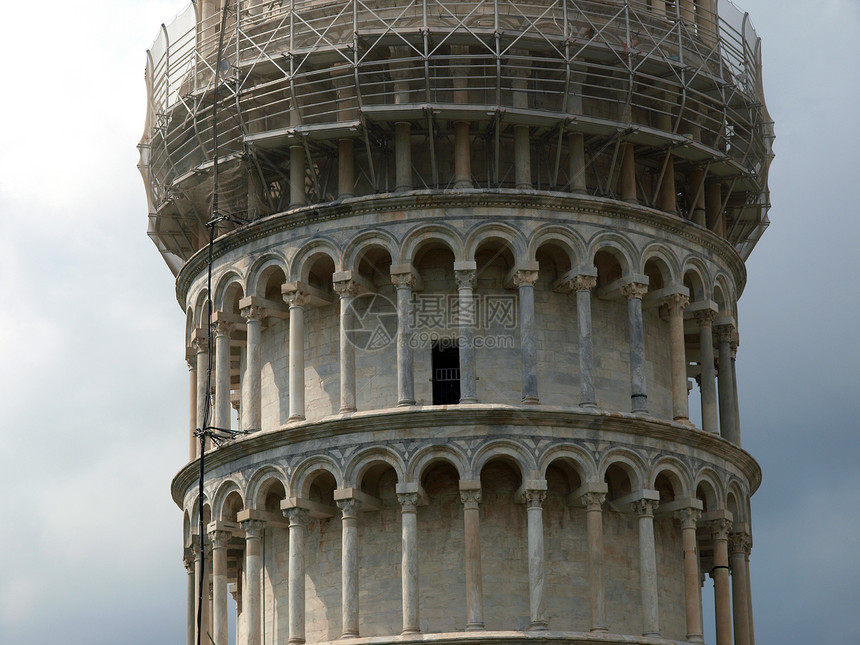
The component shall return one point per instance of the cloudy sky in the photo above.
(94, 390)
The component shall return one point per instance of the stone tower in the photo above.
(475, 262)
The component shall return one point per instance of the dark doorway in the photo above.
(446, 373)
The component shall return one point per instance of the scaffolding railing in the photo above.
(679, 76)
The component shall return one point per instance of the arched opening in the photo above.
(322, 555)
(693, 348)
(557, 346)
(621, 571)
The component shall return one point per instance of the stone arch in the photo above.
(429, 455)
(570, 241)
(200, 305)
(709, 490)
(506, 235)
(724, 295)
(514, 452)
(306, 472)
(260, 483)
(311, 251)
(186, 529)
(195, 511)
(434, 233)
(579, 459)
(261, 272)
(658, 257)
(617, 245)
(189, 328)
(362, 461)
(225, 488)
(226, 288)
(735, 502)
(677, 474)
(697, 279)
(629, 462)
(358, 246)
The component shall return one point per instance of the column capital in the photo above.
(253, 528)
(254, 313)
(705, 317)
(534, 497)
(221, 328)
(593, 501)
(724, 329)
(297, 516)
(345, 288)
(522, 277)
(188, 559)
(645, 507)
(296, 298)
(688, 517)
(720, 528)
(408, 502)
(465, 278)
(634, 290)
(470, 498)
(200, 344)
(403, 280)
(675, 303)
(740, 542)
(348, 507)
(583, 282)
(219, 538)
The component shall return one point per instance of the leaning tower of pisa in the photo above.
(466, 333)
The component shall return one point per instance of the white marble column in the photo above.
(534, 497)
(219, 541)
(201, 578)
(644, 509)
(525, 279)
(349, 566)
(251, 407)
(708, 378)
(346, 289)
(576, 151)
(403, 282)
(593, 502)
(724, 334)
(193, 441)
(403, 156)
(634, 291)
(201, 346)
(735, 398)
(462, 155)
(739, 548)
(720, 573)
(627, 175)
(675, 305)
(692, 589)
(464, 274)
(253, 601)
(298, 518)
(191, 595)
(583, 284)
(470, 495)
(345, 169)
(222, 330)
(749, 596)
(409, 561)
(667, 199)
(297, 301)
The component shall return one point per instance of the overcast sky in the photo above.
(95, 384)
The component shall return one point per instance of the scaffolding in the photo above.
(678, 81)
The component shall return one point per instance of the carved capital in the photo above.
(634, 290)
(408, 502)
(219, 538)
(253, 529)
(191, 363)
(583, 282)
(720, 529)
(593, 501)
(348, 508)
(675, 304)
(253, 313)
(525, 276)
(188, 560)
(534, 498)
(465, 278)
(345, 288)
(200, 344)
(298, 517)
(296, 298)
(705, 317)
(403, 280)
(740, 543)
(688, 517)
(222, 329)
(724, 333)
(470, 498)
(645, 507)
